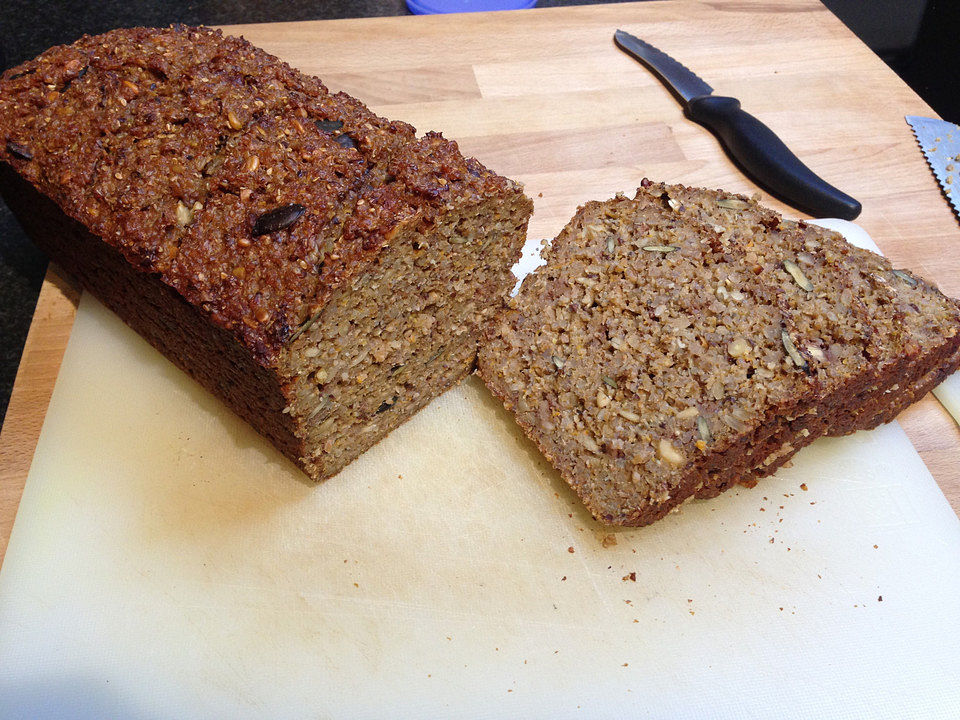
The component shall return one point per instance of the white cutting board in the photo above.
(166, 562)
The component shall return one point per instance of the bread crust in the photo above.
(170, 144)
(209, 354)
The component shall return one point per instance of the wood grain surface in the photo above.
(544, 97)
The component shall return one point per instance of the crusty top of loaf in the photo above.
(170, 144)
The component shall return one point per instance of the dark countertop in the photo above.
(29, 27)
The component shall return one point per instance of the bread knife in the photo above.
(753, 146)
(939, 141)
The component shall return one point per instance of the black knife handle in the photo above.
(763, 156)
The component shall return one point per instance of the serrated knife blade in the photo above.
(940, 142)
(681, 80)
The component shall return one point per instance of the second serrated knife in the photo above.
(940, 142)
(751, 144)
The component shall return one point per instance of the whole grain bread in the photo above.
(686, 340)
(323, 270)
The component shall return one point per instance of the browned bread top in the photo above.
(244, 184)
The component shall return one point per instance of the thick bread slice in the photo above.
(686, 340)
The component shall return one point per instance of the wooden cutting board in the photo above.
(198, 572)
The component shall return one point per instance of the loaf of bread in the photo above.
(686, 340)
(323, 270)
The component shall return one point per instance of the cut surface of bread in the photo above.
(686, 340)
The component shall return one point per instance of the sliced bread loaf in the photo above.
(323, 270)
